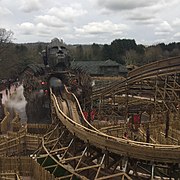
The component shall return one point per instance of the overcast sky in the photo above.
(92, 21)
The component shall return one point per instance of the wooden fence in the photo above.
(24, 167)
(39, 128)
(10, 175)
(18, 143)
(15, 124)
(11, 121)
(5, 123)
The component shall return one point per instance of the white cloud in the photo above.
(161, 33)
(164, 28)
(51, 21)
(43, 19)
(26, 28)
(67, 13)
(176, 22)
(141, 12)
(4, 11)
(143, 18)
(43, 30)
(120, 5)
(124, 5)
(30, 5)
(101, 28)
(177, 34)
(59, 17)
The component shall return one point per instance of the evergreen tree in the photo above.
(96, 52)
(106, 52)
(80, 53)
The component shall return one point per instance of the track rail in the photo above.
(158, 68)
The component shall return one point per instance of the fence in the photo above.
(5, 123)
(39, 128)
(24, 167)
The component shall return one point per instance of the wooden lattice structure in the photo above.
(72, 148)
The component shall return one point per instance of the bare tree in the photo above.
(5, 38)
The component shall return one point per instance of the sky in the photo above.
(92, 21)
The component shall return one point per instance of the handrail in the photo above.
(79, 106)
(166, 66)
(157, 65)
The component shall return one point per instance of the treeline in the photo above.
(125, 51)
(15, 57)
(115, 51)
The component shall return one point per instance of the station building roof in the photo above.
(94, 67)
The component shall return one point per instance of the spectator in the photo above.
(92, 114)
(85, 114)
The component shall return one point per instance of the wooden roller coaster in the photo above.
(74, 148)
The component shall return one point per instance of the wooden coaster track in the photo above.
(74, 149)
(113, 157)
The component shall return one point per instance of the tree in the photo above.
(140, 49)
(21, 49)
(80, 52)
(106, 52)
(5, 38)
(119, 47)
(152, 54)
(175, 52)
(96, 52)
(131, 57)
